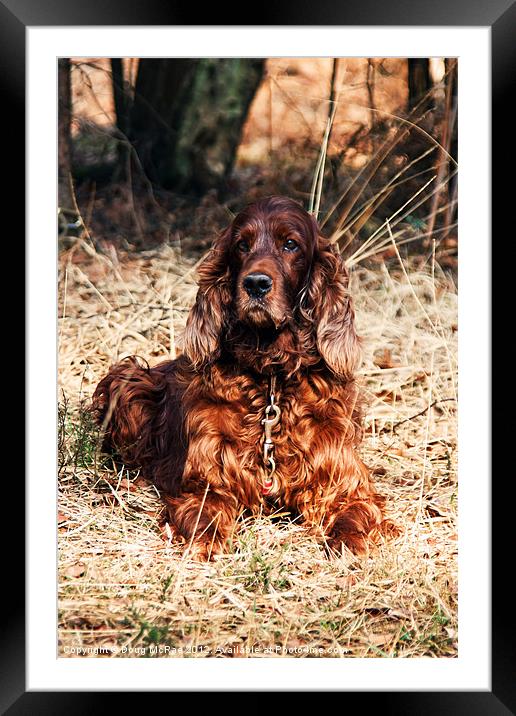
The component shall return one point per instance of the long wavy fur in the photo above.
(194, 425)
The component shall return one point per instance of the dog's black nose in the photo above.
(257, 284)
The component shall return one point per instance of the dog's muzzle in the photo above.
(257, 284)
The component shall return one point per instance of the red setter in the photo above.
(261, 409)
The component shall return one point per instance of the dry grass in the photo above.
(125, 590)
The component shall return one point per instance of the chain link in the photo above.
(269, 422)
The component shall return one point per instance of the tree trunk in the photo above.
(122, 103)
(449, 143)
(187, 119)
(68, 214)
(119, 94)
(154, 118)
(451, 82)
(66, 198)
(419, 81)
(450, 65)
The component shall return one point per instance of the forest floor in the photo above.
(126, 590)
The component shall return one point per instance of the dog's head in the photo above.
(270, 272)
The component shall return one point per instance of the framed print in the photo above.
(329, 108)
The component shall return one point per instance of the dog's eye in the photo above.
(243, 246)
(290, 245)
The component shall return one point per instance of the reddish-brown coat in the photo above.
(194, 425)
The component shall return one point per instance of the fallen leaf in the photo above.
(388, 396)
(76, 570)
(432, 512)
(384, 360)
(346, 582)
(397, 452)
(379, 639)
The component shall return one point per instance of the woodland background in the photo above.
(154, 145)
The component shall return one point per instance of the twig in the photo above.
(422, 412)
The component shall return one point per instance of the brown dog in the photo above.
(261, 410)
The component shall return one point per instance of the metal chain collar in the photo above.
(271, 419)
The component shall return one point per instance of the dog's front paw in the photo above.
(356, 542)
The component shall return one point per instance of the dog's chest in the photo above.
(269, 439)
(281, 437)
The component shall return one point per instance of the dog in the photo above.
(261, 409)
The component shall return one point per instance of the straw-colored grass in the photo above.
(124, 589)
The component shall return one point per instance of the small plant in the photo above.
(79, 438)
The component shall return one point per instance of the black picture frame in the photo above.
(500, 16)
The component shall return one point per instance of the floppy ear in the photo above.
(208, 316)
(331, 311)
